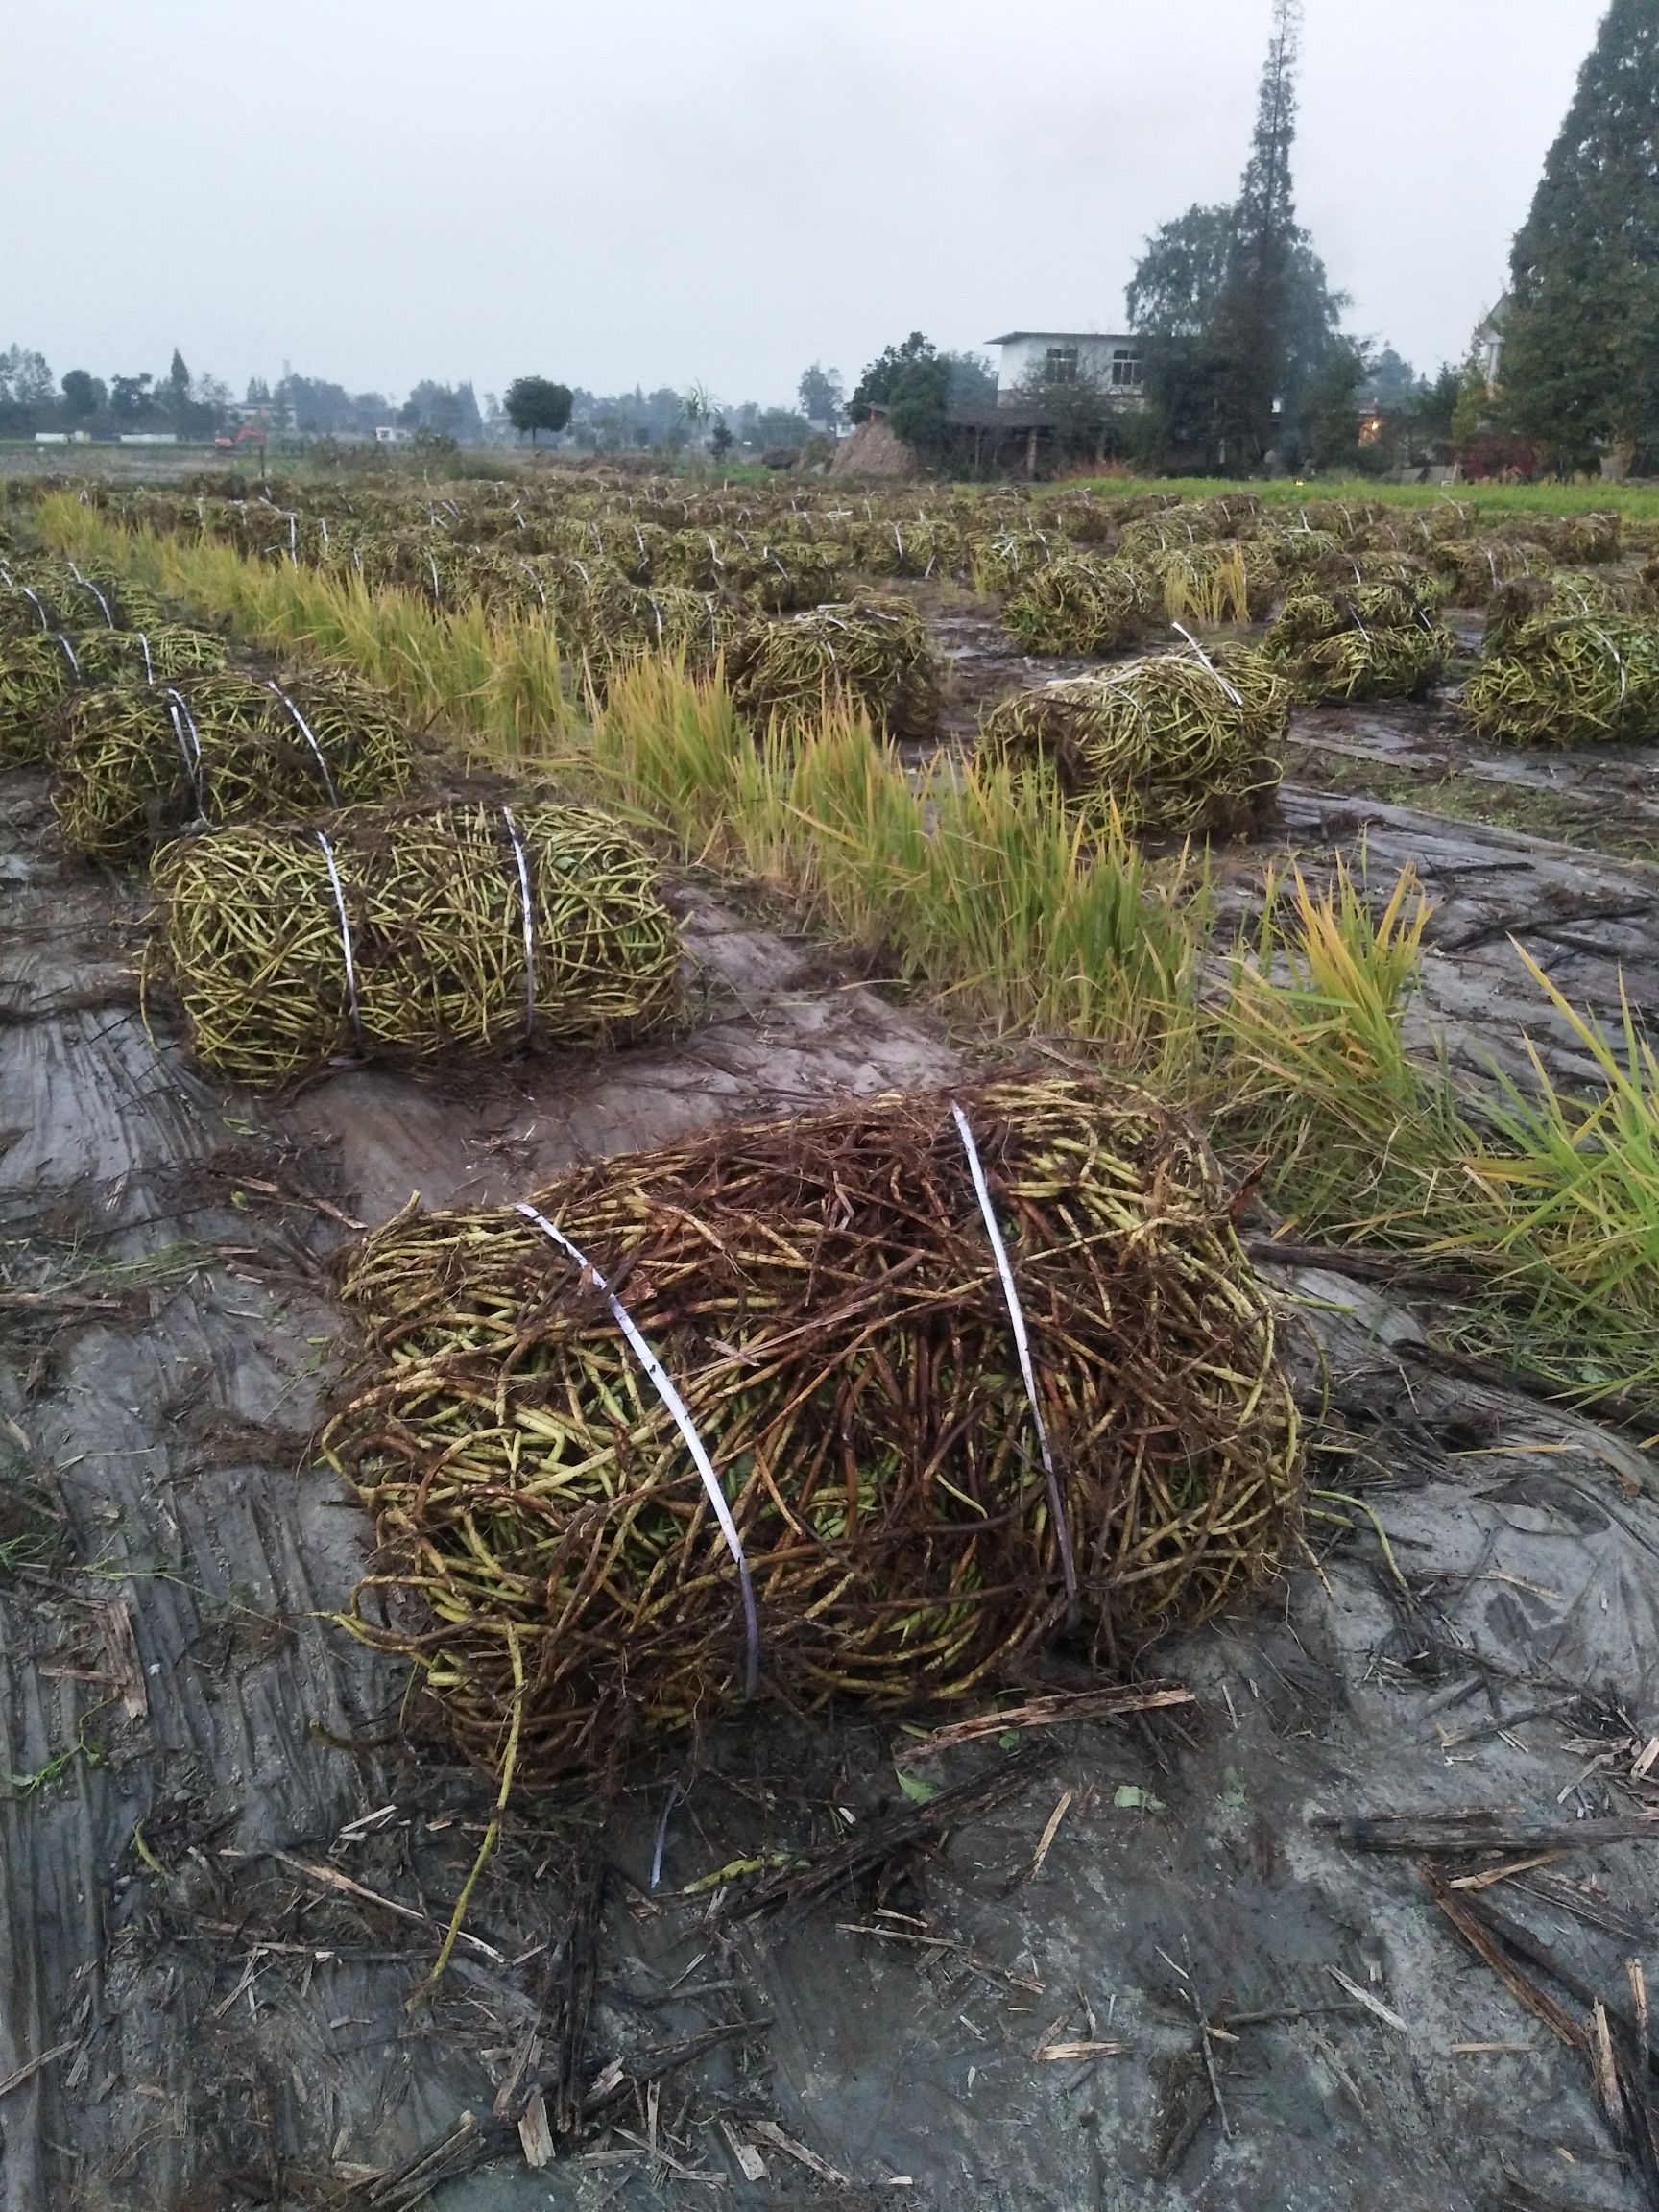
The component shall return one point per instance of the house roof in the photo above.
(1493, 324)
(1097, 337)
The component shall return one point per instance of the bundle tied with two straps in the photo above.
(413, 933)
(959, 1370)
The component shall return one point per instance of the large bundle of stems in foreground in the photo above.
(1579, 681)
(1177, 743)
(414, 934)
(824, 1295)
(1374, 641)
(872, 655)
(135, 765)
(1081, 603)
(37, 672)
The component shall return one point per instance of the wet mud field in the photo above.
(1210, 1953)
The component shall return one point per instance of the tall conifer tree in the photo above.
(1253, 325)
(1582, 346)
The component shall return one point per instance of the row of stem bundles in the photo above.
(1177, 743)
(135, 764)
(826, 1301)
(46, 593)
(413, 934)
(37, 674)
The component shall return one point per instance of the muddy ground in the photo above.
(226, 1869)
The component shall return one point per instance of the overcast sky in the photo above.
(614, 192)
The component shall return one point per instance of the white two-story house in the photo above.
(1112, 361)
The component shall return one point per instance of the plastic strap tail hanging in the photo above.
(1235, 697)
(305, 731)
(681, 1418)
(190, 745)
(33, 599)
(68, 653)
(344, 939)
(529, 909)
(149, 664)
(1021, 1344)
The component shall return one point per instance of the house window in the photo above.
(1128, 370)
(1061, 362)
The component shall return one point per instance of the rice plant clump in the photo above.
(1216, 584)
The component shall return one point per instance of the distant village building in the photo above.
(1113, 362)
(1489, 343)
(393, 433)
(1035, 423)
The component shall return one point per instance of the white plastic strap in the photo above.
(1618, 662)
(87, 585)
(33, 599)
(68, 653)
(149, 664)
(305, 731)
(681, 1418)
(1021, 1344)
(1235, 696)
(529, 910)
(190, 742)
(437, 592)
(344, 939)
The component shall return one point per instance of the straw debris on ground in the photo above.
(824, 1296)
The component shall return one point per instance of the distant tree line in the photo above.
(199, 407)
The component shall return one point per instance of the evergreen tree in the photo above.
(1581, 343)
(1233, 305)
(1254, 314)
